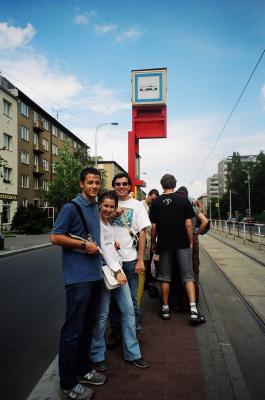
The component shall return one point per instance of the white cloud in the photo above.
(12, 37)
(129, 35)
(84, 18)
(50, 85)
(105, 28)
(39, 80)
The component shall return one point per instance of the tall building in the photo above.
(8, 151)
(222, 170)
(213, 186)
(35, 138)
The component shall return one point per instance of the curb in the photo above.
(7, 253)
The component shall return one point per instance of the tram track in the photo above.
(253, 311)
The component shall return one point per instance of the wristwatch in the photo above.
(83, 244)
(117, 272)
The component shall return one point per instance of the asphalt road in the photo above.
(32, 311)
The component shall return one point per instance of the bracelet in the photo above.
(117, 272)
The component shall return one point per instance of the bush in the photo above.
(30, 220)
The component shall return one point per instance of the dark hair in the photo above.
(153, 191)
(183, 190)
(121, 175)
(168, 181)
(110, 194)
(88, 170)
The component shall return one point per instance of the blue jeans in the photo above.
(114, 316)
(76, 333)
(122, 296)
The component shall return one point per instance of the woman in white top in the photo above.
(108, 202)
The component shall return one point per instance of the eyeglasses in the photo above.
(121, 183)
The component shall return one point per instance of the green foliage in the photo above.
(30, 220)
(237, 182)
(258, 184)
(65, 184)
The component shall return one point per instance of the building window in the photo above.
(74, 143)
(36, 183)
(35, 117)
(45, 164)
(45, 185)
(62, 135)
(24, 181)
(24, 109)
(24, 133)
(24, 157)
(54, 131)
(25, 202)
(54, 150)
(7, 174)
(36, 139)
(45, 144)
(45, 203)
(36, 162)
(7, 108)
(45, 124)
(7, 141)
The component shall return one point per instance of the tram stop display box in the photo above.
(149, 95)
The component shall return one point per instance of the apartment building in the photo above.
(213, 186)
(36, 140)
(110, 168)
(8, 151)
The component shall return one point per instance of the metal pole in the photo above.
(96, 144)
(230, 204)
(249, 206)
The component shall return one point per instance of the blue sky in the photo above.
(76, 56)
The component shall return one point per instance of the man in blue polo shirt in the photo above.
(82, 277)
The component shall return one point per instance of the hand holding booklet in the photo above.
(109, 278)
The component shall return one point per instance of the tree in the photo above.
(65, 184)
(258, 184)
(236, 182)
(30, 219)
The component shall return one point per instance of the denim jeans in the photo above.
(122, 297)
(114, 316)
(76, 333)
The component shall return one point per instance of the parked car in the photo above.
(249, 220)
(232, 219)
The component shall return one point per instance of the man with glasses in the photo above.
(131, 218)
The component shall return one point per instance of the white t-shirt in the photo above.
(137, 219)
(109, 252)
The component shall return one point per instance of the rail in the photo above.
(254, 233)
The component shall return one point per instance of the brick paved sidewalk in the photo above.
(175, 372)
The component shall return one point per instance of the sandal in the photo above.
(198, 319)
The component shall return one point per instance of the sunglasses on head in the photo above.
(121, 183)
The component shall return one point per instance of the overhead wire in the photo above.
(229, 116)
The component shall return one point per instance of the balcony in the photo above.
(38, 149)
(38, 171)
(38, 126)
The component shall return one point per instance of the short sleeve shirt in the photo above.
(135, 218)
(169, 212)
(78, 267)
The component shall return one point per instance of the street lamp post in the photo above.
(96, 136)
(249, 206)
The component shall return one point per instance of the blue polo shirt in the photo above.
(79, 267)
